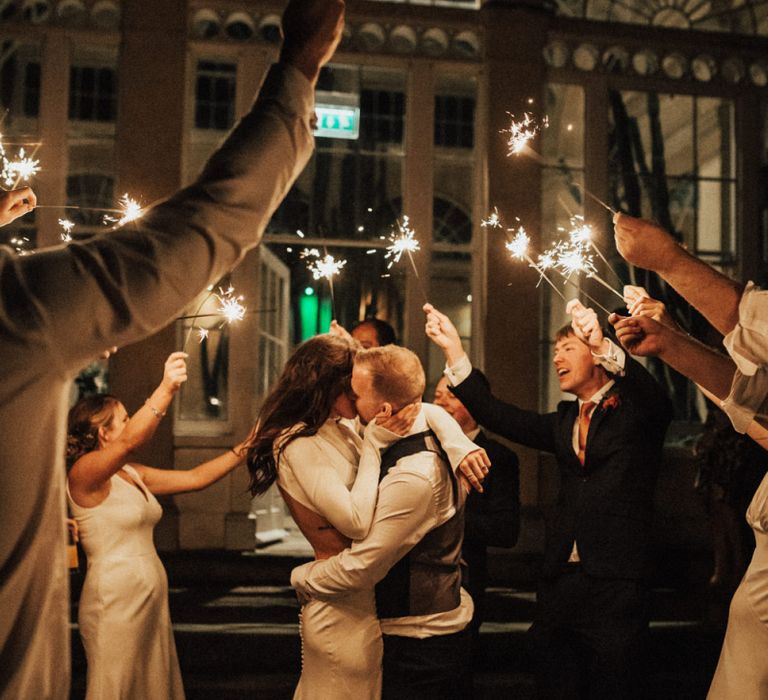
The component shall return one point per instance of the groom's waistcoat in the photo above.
(427, 580)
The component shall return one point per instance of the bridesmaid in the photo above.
(123, 615)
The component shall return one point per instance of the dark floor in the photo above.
(235, 622)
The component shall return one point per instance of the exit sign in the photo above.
(338, 115)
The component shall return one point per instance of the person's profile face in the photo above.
(447, 401)
(114, 429)
(366, 402)
(366, 335)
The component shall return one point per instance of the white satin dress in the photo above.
(124, 619)
(341, 639)
(742, 671)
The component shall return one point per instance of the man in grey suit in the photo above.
(62, 306)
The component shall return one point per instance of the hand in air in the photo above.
(16, 203)
(585, 324)
(175, 373)
(640, 335)
(441, 331)
(642, 242)
(639, 303)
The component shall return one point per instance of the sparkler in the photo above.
(404, 241)
(324, 267)
(130, 210)
(582, 234)
(573, 258)
(518, 248)
(22, 168)
(67, 226)
(522, 131)
(230, 310)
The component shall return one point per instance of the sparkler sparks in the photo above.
(67, 226)
(518, 246)
(202, 334)
(322, 267)
(493, 220)
(402, 241)
(130, 210)
(13, 171)
(522, 131)
(229, 305)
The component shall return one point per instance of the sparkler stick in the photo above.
(405, 242)
(597, 199)
(230, 310)
(518, 247)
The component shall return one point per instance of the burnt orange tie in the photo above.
(585, 415)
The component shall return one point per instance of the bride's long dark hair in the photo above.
(315, 375)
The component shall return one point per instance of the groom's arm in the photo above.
(405, 513)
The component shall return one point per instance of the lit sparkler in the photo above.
(522, 131)
(202, 334)
(229, 305)
(19, 169)
(582, 234)
(404, 241)
(324, 267)
(67, 227)
(130, 210)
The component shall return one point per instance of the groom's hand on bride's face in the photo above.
(401, 422)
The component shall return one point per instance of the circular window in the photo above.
(556, 54)
(703, 68)
(206, 24)
(674, 65)
(733, 70)
(585, 57)
(645, 62)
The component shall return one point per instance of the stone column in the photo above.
(150, 147)
(513, 81)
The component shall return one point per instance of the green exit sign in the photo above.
(338, 115)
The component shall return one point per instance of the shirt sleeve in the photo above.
(451, 437)
(123, 285)
(458, 372)
(747, 343)
(748, 399)
(404, 515)
(614, 360)
(350, 511)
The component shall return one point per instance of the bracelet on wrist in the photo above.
(155, 412)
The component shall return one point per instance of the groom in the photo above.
(412, 552)
(592, 604)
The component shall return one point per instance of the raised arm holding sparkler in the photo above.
(70, 302)
(16, 203)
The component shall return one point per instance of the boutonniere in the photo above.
(610, 402)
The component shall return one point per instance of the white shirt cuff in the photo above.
(747, 343)
(748, 399)
(459, 371)
(614, 360)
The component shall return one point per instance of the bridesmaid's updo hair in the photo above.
(83, 423)
(315, 375)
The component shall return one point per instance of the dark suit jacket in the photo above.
(606, 504)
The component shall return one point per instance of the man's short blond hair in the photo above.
(396, 373)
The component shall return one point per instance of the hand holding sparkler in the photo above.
(441, 331)
(644, 243)
(640, 303)
(16, 203)
(336, 329)
(586, 326)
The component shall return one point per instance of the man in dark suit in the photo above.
(592, 613)
(491, 518)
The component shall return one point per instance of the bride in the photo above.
(302, 442)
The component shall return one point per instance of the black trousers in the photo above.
(425, 669)
(589, 637)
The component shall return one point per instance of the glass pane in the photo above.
(451, 283)
(562, 143)
(363, 288)
(716, 222)
(19, 86)
(352, 187)
(715, 147)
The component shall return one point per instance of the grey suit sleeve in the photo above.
(123, 285)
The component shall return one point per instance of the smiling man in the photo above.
(592, 605)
